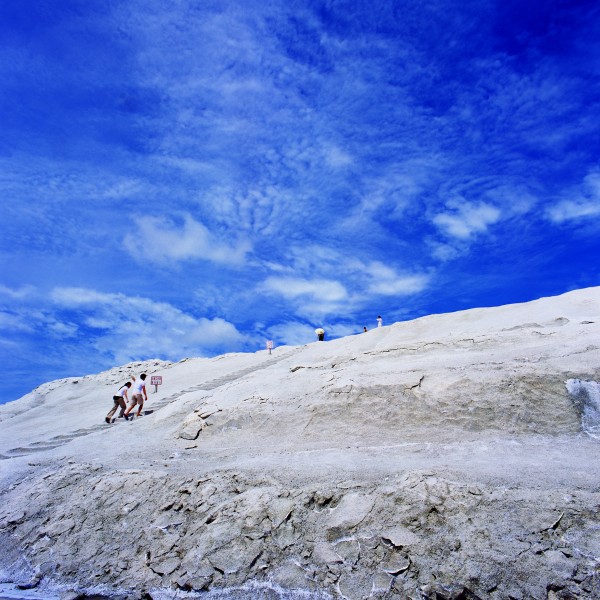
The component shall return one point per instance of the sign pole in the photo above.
(156, 380)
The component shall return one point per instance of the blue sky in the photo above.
(188, 178)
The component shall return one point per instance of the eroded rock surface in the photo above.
(442, 458)
(137, 529)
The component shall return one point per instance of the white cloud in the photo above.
(513, 200)
(62, 330)
(592, 183)
(19, 312)
(292, 333)
(397, 188)
(570, 210)
(317, 297)
(317, 289)
(124, 188)
(466, 219)
(401, 286)
(75, 297)
(188, 165)
(585, 205)
(160, 240)
(20, 293)
(315, 258)
(386, 281)
(443, 252)
(15, 322)
(30, 320)
(336, 157)
(310, 298)
(132, 327)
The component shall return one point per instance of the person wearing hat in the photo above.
(320, 333)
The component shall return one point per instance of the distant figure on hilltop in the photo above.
(320, 333)
(120, 399)
(365, 329)
(379, 321)
(138, 397)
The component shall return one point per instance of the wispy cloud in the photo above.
(387, 282)
(321, 289)
(320, 293)
(311, 297)
(11, 321)
(572, 210)
(292, 333)
(19, 293)
(399, 187)
(160, 240)
(128, 328)
(267, 166)
(465, 219)
(584, 204)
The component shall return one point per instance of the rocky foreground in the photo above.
(438, 458)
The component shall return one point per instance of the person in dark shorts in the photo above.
(120, 399)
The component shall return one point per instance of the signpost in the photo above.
(155, 380)
(270, 346)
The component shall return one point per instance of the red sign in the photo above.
(156, 380)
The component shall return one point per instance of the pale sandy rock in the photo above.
(325, 553)
(165, 567)
(355, 586)
(349, 550)
(206, 411)
(382, 583)
(443, 456)
(400, 537)
(292, 576)
(278, 510)
(352, 509)
(396, 563)
(285, 536)
(192, 426)
(561, 565)
(233, 558)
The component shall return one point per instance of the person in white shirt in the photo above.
(120, 399)
(138, 396)
(379, 321)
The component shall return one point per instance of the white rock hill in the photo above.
(438, 458)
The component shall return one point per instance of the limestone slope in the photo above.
(426, 457)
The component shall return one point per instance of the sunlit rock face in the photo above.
(451, 456)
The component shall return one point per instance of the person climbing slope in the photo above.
(119, 399)
(138, 397)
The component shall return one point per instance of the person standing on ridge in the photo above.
(365, 329)
(379, 321)
(138, 397)
(120, 399)
(320, 333)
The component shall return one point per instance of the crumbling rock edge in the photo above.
(438, 458)
(417, 535)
